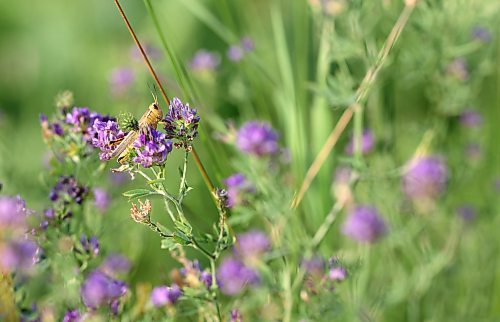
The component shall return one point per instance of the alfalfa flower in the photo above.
(471, 118)
(367, 143)
(257, 138)
(251, 245)
(71, 316)
(114, 265)
(151, 148)
(106, 133)
(481, 34)
(13, 213)
(364, 224)
(18, 255)
(99, 289)
(425, 178)
(204, 61)
(68, 190)
(90, 245)
(181, 123)
(163, 295)
(233, 276)
(238, 187)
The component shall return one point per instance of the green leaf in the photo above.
(137, 193)
(156, 181)
(169, 243)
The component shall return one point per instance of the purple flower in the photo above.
(204, 61)
(12, 213)
(163, 295)
(314, 265)
(337, 274)
(481, 34)
(71, 316)
(471, 118)
(233, 276)
(237, 187)
(19, 255)
(90, 245)
(100, 289)
(106, 132)
(235, 53)
(181, 122)
(367, 143)
(257, 138)
(68, 188)
(251, 245)
(236, 316)
(79, 118)
(120, 80)
(247, 44)
(151, 148)
(57, 129)
(458, 69)
(206, 279)
(101, 199)
(425, 178)
(115, 264)
(364, 224)
(466, 212)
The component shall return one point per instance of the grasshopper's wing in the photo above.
(127, 141)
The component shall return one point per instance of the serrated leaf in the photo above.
(137, 193)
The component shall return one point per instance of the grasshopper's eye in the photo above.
(155, 106)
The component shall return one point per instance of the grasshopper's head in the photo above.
(155, 113)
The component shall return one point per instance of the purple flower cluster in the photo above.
(68, 190)
(204, 61)
(163, 295)
(151, 148)
(237, 188)
(233, 276)
(115, 265)
(181, 122)
(257, 138)
(471, 118)
(237, 52)
(106, 132)
(364, 224)
(101, 199)
(251, 245)
(425, 178)
(50, 129)
(481, 34)
(90, 245)
(367, 143)
(18, 255)
(100, 289)
(13, 213)
(71, 316)
(320, 276)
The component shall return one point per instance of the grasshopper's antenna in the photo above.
(154, 92)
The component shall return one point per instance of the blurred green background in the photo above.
(47, 47)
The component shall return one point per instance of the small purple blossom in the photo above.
(367, 143)
(120, 80)
(12, 213)
(163, 295)
(251, 245)
(235, 53)
(79, 118)
(233, 276)
(151, 148)
(236, 316)
(114, 265)
(99, 289)
(257, 138)
(466, 212)
(90, 245)
(101, 199)
(204, 61)
(68, 188)
(364, 224)
(481, 34)
(206, 279)
(458, 69)
(19, 255)
(106, 132)
(181, 122)
(471, 118)
(314, 265)
(247, 44)
(337, 274)
(71, 316)
(425, 178)
(237, 187)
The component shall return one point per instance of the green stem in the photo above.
(182, 185)
(157, 229)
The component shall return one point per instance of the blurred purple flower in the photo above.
(425, 178)
(236, 316)
(466, 212)
(106, 132)
(367, 143)
(114, 265)
(481, 34)
(235, 53)
(163, 295)
(257, 138)
(204, 61)
(153, 52)
(19, 255)
(314, 265)
(364, 224)
(251, 245)
(233, 276)
(71, 316)
(99, 289)
(120, 80)
(471, 118)
(90, 245)
(181, 122)
(57, 129)
(206, 279)
(237, 187)
(247, 44)
(68, 187)
(459, 69)
(101, 199)
(12, 213)
(151, 148)
(118, 178)
(337, 274)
